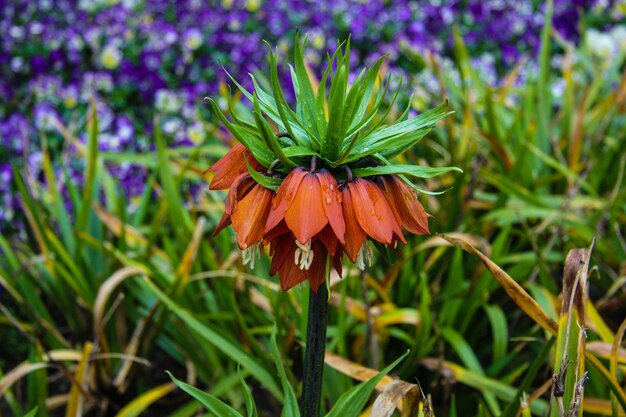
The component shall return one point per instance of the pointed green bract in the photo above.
(409, 170)
(334, 121)
(267, 182)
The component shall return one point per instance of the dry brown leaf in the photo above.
(603, 350)
(518, 294)
(397, 395)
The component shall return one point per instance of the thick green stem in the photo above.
(314, 352)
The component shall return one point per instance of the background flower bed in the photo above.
(543, 160)
(161, 57)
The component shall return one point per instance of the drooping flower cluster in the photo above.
(322, 187)
(313, 216)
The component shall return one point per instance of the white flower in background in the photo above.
(600, 44)
(44, 118)
(92, 36)
(110, 57)
(105, 116)
(172, 126)
(36, 28)
(193, 39)
(619, 36)
(188, 111)
(558, 87)
(89, 5)
(195, 133)
(17, 64)
(16, 32)
(109, 142)
(167, 101)
(131, 4)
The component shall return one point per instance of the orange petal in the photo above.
(250, 216)
(373, 211)
(289, 273)
(282, 249)
(239, 189)
(405, 205)
(336, 262)
(230, 166)
(277, 231)
(306, 217)
(328, 238)
(332, 203)
(355, 236)
(316, 274)
(284, 197)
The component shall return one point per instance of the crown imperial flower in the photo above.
(323, 185)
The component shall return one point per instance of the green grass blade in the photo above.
(210, 402)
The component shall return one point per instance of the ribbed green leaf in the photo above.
(397, 138)
(250, 404)
(499, 330)
(210, 402)
(331, 146)
(279, 98)
(469, 359)
(175, 206)
(253, 143)
(410, 170)
(366, 90)
(290, 406)
(269, 137)
(306, 98)
(265, 181)
(82, 217)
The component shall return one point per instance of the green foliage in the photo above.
(152, 290)
(345, 126)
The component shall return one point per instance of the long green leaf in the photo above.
(210, 402)
(352, 401)
(220, 342)
(410, 170)
(290, 408)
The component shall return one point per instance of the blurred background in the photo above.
(89, 199)
(143, 58)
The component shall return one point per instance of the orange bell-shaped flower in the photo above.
(407, 209)
(367, 213)
(307, 201)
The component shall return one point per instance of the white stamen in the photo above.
(249, 255)
(364, 255)
(303, 257)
